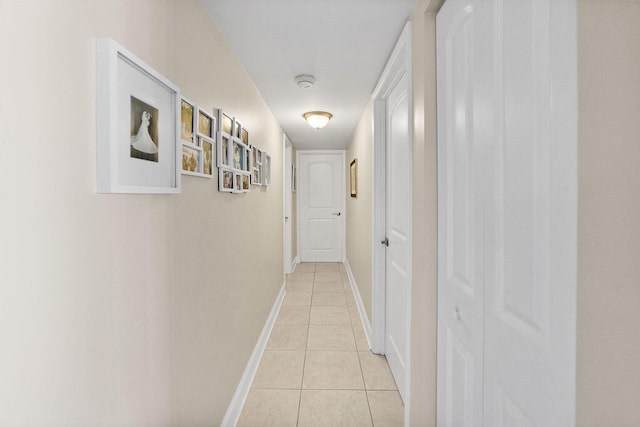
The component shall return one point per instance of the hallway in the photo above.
(317, 369)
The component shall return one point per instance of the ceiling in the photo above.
(343, 43)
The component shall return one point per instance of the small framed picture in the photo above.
(225, 181)
(187, 120)
(207, 157)
(238, 156)
(293, 178)
(353, 175)
(245, 183)
(223, 150)
(257, 176)
(225, 123)
(237, 183)
(244, 135)
(237, 128)
(206, 124)
(266, 169)
(191, 159)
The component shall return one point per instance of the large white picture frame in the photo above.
(138, 125)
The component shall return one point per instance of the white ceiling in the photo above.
(343, 43)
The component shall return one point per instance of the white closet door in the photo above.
(507, 113)
(531, 251)
(460, 221)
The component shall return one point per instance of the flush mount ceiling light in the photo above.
(317, 119)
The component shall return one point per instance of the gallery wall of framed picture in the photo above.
(139, 150)
(197, 135)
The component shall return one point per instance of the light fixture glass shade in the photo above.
(317, 119)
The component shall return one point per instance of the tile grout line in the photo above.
(306, 346)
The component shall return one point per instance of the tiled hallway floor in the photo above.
(317, 369)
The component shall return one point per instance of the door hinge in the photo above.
(385, 241)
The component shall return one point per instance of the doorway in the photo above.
(391, 305)
(321, 199)
(288, 214)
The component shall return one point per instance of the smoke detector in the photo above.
(305, 81)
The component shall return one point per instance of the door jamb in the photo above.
(286, 184)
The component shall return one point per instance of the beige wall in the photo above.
(422, 405)
(608, 340)
(123, 309)
(359, 208)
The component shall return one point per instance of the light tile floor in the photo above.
(317, 369)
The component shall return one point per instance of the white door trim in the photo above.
(343, 210)
(286, 188)
(399, 64)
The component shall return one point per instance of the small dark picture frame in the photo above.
(353, 169)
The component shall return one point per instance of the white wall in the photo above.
(123, 309)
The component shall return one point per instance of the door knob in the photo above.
(337, 213)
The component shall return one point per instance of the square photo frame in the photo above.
(191, 160)
(138, 125)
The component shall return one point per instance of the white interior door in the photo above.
(321, 192)
(288, 230)
(460, 221)
(507, 212)
(398, 232)
(531, 245)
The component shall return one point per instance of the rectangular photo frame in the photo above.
(293, 178)
(207, 157)
(266, 169)
(191, 160)
(353, 178)
(187, 121)
(246, 183)
(224, 150)
(225, 123)
(206, 124)
(226, 180)
(237, 182)
(138, 125)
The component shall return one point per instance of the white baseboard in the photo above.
(366, 324)
(240, 396)
(294, 262)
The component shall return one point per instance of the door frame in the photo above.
(343, 200)
(287, 147)
(399, 65)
